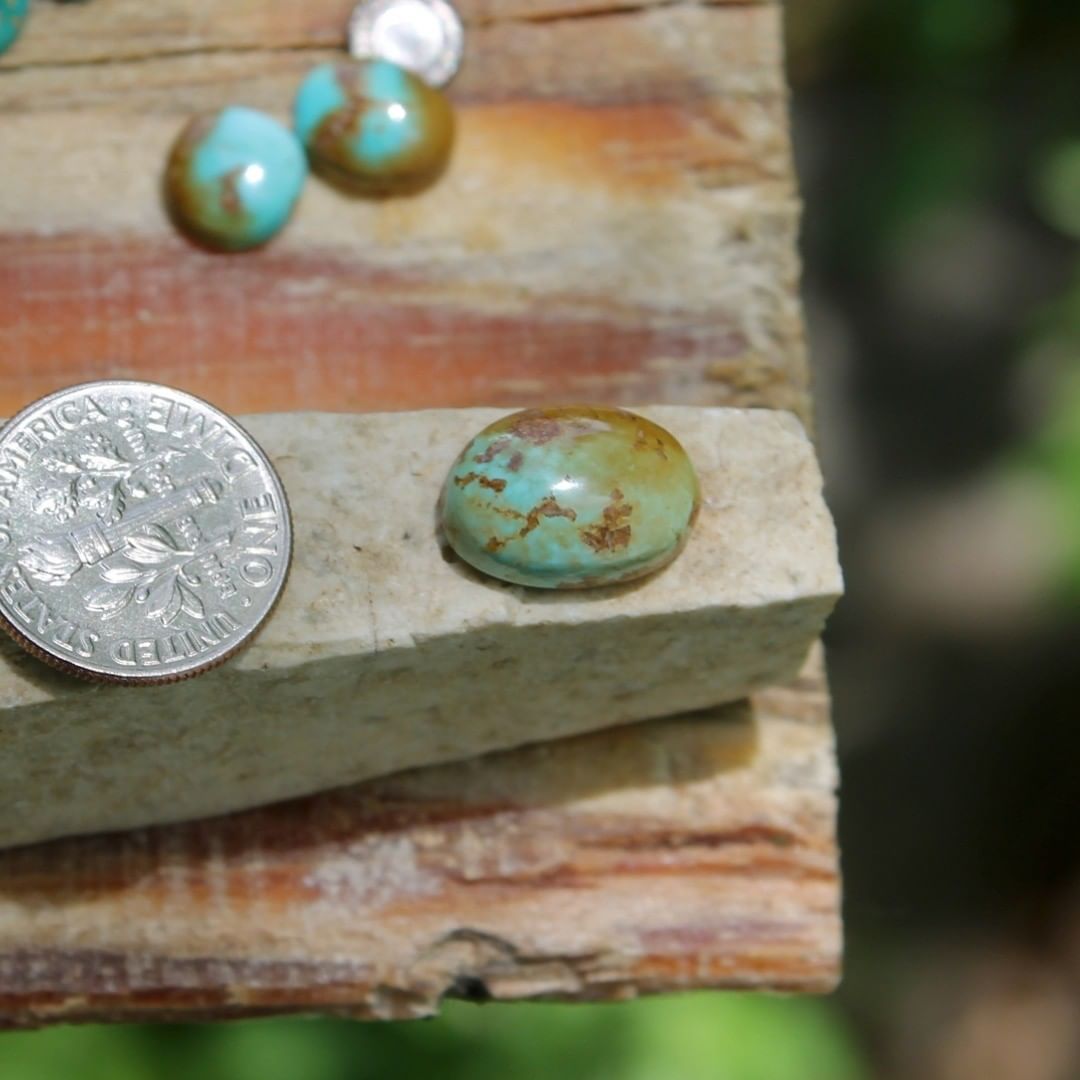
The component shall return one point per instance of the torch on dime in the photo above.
(144, 535)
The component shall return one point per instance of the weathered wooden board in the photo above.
(618, 221)
(696, 851)
(618, 225)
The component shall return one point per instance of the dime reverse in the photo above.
(144, 535)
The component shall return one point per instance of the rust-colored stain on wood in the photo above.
(235, 331)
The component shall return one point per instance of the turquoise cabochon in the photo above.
(12, 16)
(570, 497)
(234, 178)
(373, 126)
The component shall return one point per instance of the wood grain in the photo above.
(700, 854)
(125, 29)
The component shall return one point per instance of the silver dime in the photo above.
(424, 36)
(144, 535)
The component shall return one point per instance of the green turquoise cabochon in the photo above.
(373, 127)
(234, 177)
(570, 497)
(12, 17)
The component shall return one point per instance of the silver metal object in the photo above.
(144, 535)
(424, 36)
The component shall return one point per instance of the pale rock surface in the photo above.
(383, 655)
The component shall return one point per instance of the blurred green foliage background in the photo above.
(938, 143)
(697, 1037)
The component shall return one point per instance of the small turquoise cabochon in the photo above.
(234, 177)
(374, 128)
(12, 16)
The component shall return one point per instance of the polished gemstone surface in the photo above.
(570, 497)
(234, 177)
(12, 16)
(374, 128)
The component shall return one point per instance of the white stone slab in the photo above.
(385, 655)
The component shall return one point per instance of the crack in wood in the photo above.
(539, 18)
(608, 10)
(154, 55)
